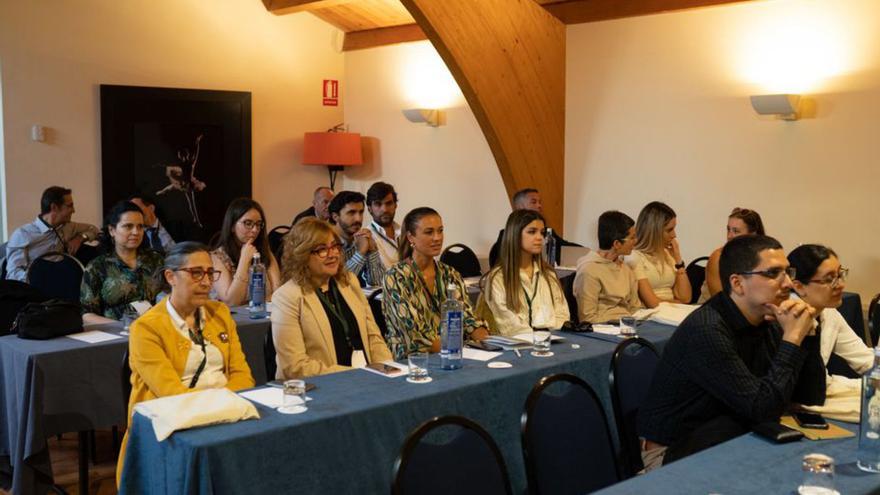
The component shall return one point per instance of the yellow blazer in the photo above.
(303, 336)
(158, 354)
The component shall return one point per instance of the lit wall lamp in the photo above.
(432, 116)
(333, 148)
(784, 107)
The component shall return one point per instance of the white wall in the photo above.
(449, 168)
(55, 54)
(657, 108)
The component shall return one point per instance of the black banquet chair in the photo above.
(567, 283)
(450, 454)
(57, 275)
(378, 315)
(632, 368)
(276, 238)
(463, 259)
(567, 446)
(696, 272)
(873, 321)
(269, 356)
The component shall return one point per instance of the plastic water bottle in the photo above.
(868, 455)
(257, 285)
(451, 330)
(550, 248)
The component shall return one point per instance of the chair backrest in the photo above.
(567, 446)
(632, 368)
(378, 314)
(269, 356)
(125, 377)
(449, 454)
(874, 320)
(463, 259)
(276, 238)
(58, 275)
(14, 295)
(696, 273)
(567, 283)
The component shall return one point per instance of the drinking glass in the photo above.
(818, 475)
(627, 326)
(294, 397)
(541, 342)
(418, 366)
(128, 317)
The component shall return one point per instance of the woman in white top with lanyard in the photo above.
(523, 291)
(657, 260)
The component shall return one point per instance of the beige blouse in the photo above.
(660, 272)
(548, 307)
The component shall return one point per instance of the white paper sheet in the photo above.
(93, 336)
(267, 396)
(527, 337)
(607, 329)
(141, 306)
(478, 354)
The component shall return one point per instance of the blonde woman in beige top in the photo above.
(657, 260)
(605, 287)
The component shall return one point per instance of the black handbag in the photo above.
(47, 320)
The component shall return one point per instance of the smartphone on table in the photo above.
(810, 420)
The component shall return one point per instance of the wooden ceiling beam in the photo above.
(369, 38)
(579, 11)
(281, 7)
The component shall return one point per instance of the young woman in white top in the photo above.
(741, 221)
(657, 260)
(522, 291)
(819, 281)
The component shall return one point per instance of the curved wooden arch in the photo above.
(508, 57)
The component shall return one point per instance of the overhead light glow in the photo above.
(427, 83)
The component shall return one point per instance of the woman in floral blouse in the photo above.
(415, 288)
(124, 274)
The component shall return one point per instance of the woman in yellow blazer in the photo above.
(321, 321)
(185, 342)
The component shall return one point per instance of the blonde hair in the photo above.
(650, 225)
(304, 237)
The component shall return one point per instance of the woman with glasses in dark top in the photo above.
(243, 234)
(741, 221)
(321, 321)
(819, 281)
(185, 342)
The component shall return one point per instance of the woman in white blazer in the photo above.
(321, 321)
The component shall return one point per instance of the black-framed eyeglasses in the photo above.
(834, 279)
(773, 273)
(324, 251)
(198, 274)
(250, 224)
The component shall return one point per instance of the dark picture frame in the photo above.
(187, 149)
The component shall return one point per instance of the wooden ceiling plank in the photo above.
(580, 11)
(281, 7)
(358, 40)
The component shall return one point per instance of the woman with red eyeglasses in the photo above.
(321, 321)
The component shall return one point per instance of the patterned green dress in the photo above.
(412, 311)
(109, 285)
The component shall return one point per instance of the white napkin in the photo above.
(201, 408)
(667, 313)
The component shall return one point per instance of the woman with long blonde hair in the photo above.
(657, 260)
(321, 321)
(522, 291)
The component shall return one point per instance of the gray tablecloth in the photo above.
(349, 438)
(63, 385)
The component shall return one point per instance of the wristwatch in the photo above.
(679, 265)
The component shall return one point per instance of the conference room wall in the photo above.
(449, 168)
(657, 108)
(55, 54)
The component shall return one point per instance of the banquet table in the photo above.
(348, 439)
(49, 387)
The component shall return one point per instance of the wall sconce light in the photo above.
(432, 116)
(333, 148)
(784, 107)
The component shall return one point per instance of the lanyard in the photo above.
(529, 300)
(434, 301)
(199, 338)
(336, 309)
(57, 235)
(381, 233)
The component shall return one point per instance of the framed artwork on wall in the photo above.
(188, 149)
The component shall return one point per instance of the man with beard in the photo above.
(361, 253)
(382, 203)
(732, 363)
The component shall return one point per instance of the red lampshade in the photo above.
(332, 148)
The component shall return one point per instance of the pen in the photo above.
(517, 353)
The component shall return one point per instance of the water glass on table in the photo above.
(128, 317)
(294, 397)
(628, 326)
(541, 342)
(418, 367)
(818, 475)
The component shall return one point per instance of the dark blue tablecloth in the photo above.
(351, 434)
(751, 465)
(63, 385)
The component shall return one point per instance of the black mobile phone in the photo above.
(810, 420)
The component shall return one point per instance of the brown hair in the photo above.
(750, 218)
(228, 240)
(305, 236)
(410, 224)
